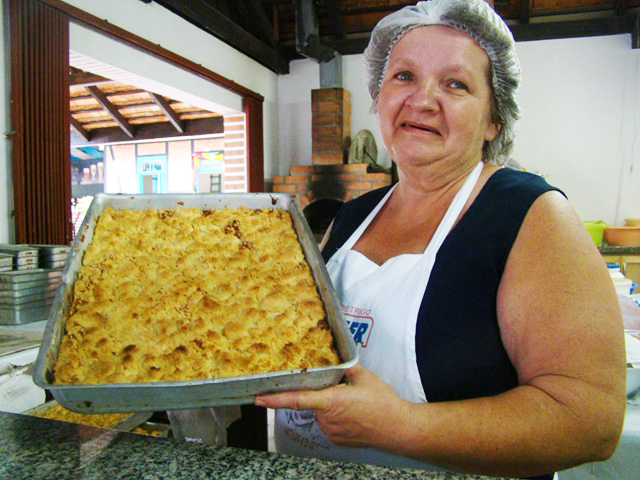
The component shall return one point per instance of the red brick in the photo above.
(278, 179)
(327, 158)
(284, 188)
(356, 167)
(326, 107)
(233, 136)
(234, 161)
(327, 144)
(326, 119)
(233, 178)
(295, 179)
(301, 169)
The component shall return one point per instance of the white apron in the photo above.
(380, 304)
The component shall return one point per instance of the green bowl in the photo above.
(596, 230)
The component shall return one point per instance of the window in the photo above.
(152, 173)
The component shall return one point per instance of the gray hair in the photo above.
(478, 20)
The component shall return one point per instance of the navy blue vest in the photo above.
(458, 346)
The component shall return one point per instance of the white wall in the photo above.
(579, 125)
(6, 194)
(579, 120)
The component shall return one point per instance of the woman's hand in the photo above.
(354, 414)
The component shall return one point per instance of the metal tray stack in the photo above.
(24, 256)
(52, 256)
(27, 295)
(157, 396)
(6, 262)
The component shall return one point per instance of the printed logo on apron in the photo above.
(360, 324)
(380, 304)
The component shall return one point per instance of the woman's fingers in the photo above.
(303, 400)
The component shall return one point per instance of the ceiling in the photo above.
(274, 32)
(265, 30)
(107, 111)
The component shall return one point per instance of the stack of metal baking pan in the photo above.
(52, 256)
(6, 262)
(26, 296)
(25, 257)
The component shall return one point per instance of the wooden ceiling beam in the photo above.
(113, 111)
(525, 11)
(336, 18)
(168, 111)
(203, 126)
(258, 17)
(620, 6)
(79, 78)
(77, 126)
(205, 16)
(532, 31)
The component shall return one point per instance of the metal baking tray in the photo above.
(18, 251)
(132, 422)
(41, 274)
(6, 260)
(51, 249)
(156, 396)
(20, 315)
(23, 292)
(32, 299)
(23, 286)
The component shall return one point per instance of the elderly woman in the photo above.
(496, 344)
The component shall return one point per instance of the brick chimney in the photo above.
(322, 187)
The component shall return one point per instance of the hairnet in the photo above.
(478, 20)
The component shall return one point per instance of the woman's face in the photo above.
(434, 101)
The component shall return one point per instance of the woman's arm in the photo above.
(560, 323)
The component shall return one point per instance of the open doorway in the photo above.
(41, 200)
(132, 138)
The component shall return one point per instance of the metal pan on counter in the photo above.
(156, 396)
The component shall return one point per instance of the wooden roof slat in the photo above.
(168, 111)
(108, 106)
(77, 126)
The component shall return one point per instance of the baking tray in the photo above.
(24, 300)
(155, 396)
(41, 274)
(24, 292)
(23, 286)
(132, 422)
(51, 249)
(20, 315)
(18, 251)
(6, 260)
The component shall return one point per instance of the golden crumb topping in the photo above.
(57, 412)
(185, 294)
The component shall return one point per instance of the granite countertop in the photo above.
(39, 448)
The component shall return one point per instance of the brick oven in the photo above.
(322, 187)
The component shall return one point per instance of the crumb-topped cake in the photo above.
(184, 294)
